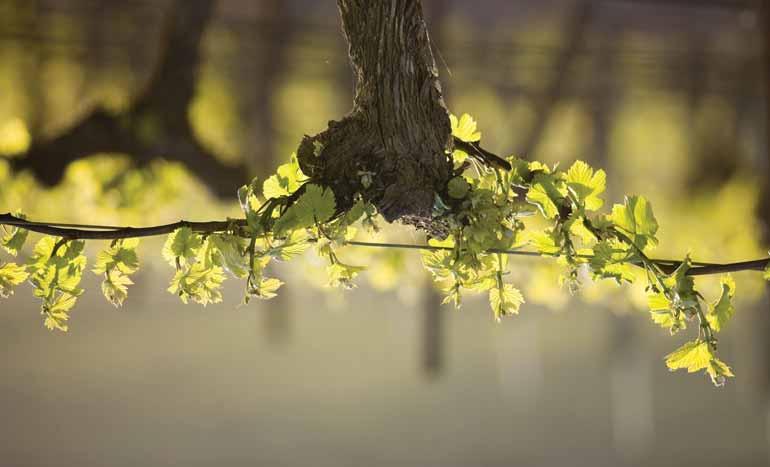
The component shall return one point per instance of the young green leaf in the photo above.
(229, 252)
(547, 242)
(505, 301)
(635, 219)
(14, 237)
(198, 283)
(586, 185)
(316, 205)
(545, 192)
(465, 128)
(11, 275)
(692, 356)
(342, 275)
(722, 310)
(286, 181)
(181, 246)
(116, 263)
(115, 287)
(266, 289)
(458, 187)
(56, 269)
(612, 260)
(719, 372)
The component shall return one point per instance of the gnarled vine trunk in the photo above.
(392, 147)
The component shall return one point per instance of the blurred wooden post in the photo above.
(432, 349)
(271, 34)
(432, 335)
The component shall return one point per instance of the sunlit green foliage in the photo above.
(11, 275)
(55, 269)
(117, 263)
(14, 238)
(489, 213)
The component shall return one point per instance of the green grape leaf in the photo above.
(545, 192)
(181, 246)
(56, 270)
(116, 263)
(692, 356)
(722, 310)
(683, 287)
(547, 242)
(465, 128)
(229, 252)
(199, 283)
(296, 245)
(56, 320)
(611, 260)
(354, 214)
(273, 188)
(505, 300)
(267, 288)
(286, 181)
(576, 226)
(316, 205)
(247, 198)
(586, 185)
(766, 274)
(458, 188)
(662, 313)
(520, 171)
(11, 275)
(121, 256)
(636, 220)
(718, 371)
(115, 287)
(342, 275)
(14, 238)
(668, 320)
(459, 156)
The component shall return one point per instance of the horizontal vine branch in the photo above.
(107, 232)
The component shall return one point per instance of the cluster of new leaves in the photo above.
(489, 214)
(487, 210)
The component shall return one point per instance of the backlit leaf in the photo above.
(465, 128)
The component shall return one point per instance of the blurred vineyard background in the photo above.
(145, 111)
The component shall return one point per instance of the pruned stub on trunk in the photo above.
(392, 148)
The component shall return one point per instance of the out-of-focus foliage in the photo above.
(214, 111)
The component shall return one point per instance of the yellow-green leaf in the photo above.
(722, 310)
(635, 219)
(465, 128)
(719, 372)
(181, 246)
(544, 193)
(505, 300)
(14, 238)
(587, 185)
(692, 356)
(316, 205)
(11, 275)
(458, 187)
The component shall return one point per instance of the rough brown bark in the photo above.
(398, 129)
